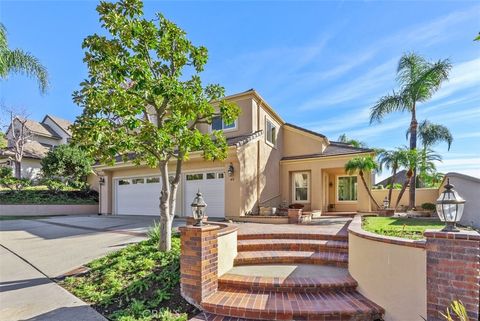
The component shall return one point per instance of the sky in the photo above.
(319, 64)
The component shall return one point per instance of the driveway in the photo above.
(33, 251)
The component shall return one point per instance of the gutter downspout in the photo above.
(258, 157)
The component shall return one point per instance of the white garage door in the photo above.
(211, 185)
(140, 196)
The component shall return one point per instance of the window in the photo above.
(124, 182)
(210, 175)
(301, 184)
(219, 124)
(194, 177)
(221, 175)
(138, 181)
(271, 135)
(152, 180)
(347, 188)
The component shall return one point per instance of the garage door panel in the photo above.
(212, 187)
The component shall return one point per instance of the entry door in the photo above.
(212, 186)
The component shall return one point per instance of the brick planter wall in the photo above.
(453, 272)
(294, 215)
(198, 262)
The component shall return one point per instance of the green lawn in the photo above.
(135, 283)
(40, 195)
(409, 228)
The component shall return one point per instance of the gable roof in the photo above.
(308, 131)
(41, 129)
(32, 149)
(60, 122)
(333, 149)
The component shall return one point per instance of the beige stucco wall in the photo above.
(227, 251)
(297, 142)
(92, 181)
(469, 188)
(317, 167)
(423, 195)
(31, 168)
(393, 276)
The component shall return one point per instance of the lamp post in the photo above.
(198, 209)
(450, 208)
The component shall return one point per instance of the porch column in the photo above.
(453, 272)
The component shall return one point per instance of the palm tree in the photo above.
(362, 165)
(431, 134)
(343, 138)
(419, 79)
(391, 159)
(19, 61)
(412, 158)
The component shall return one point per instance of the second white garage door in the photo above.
(212, 186)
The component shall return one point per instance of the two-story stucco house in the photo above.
(269, 162)
(42, 137)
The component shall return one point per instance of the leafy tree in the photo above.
(144, 97)
(430, 134)
(343, 138)
(12, 183)
(19, 61)
(391, 159)
(477, 38)
(68, 164)
(362, 165)
(419, 79)
(3, 140)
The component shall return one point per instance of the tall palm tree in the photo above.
(391, 159)
(343, 138)
(419, 79)
(362, 165)
(19, 61)
(431, 134)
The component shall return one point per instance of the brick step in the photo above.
(213, 317)
(291, 245)
(311, 284)
(266, 305)
(291, 257)
(297, 236)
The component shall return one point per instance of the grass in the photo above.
(409, 228)
(135, 283)
(40, 195)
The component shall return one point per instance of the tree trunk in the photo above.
(368, 189)
(18, 169)
(166, 219)
(390, 190)
(404, 187)
(413, 145)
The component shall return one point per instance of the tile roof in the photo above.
(333, 149)
(62, 123)
(32, 149)
(41, 129)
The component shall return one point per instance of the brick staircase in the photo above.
(289, 277)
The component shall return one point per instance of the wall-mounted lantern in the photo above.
(101, 180)
(386, 203)
(198, 209)
(450, 207)
(230, 170)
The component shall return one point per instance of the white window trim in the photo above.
(226, 130)
(308, 187)
(336, 188)
(266, 133)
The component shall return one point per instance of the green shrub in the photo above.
(154, 233)
(12, 183)
(428, 206)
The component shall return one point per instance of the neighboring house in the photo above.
(269, 162)
(400, 178)
(45, 135)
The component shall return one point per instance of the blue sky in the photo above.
(320, 64)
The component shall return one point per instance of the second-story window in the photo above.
(219, 124)
(271, 133)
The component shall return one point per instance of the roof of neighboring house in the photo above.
(333, 149)
(41, 129)
(62, 123)
(32, 149)
(305, 130)
(400, 178)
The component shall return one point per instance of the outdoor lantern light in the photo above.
(198, 209)
(450, 207)
(101, 180)
(386, 203)
(230, 170)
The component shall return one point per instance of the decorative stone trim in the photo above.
(355, 228)
(453, 272)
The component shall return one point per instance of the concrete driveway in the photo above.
(34, 251)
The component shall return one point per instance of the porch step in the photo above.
(291, 245)
(291, 257)
(267, 305)
(296, 236)
(213, 317)
(287, 278)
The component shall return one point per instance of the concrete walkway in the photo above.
(34, 251)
